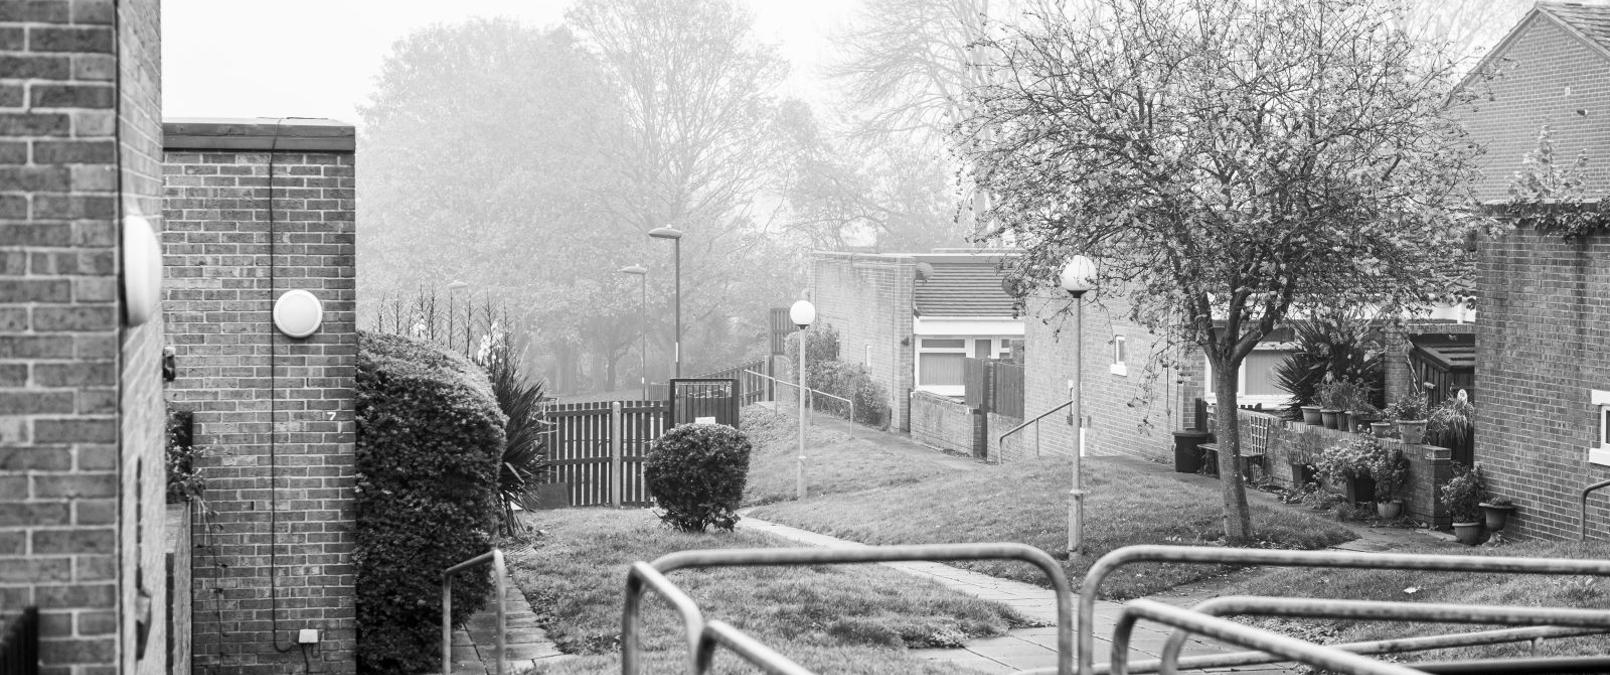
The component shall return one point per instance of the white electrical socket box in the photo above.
(308, 636)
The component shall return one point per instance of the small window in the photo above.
(944, 343)
(1599, 450)
(1120, 354)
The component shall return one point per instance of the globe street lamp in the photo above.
(1078, 277)
(675, 236)
(641, 273)
(802, 314)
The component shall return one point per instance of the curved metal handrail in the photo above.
(495, 556)
(1000, 441)
(1289, 647)
(813, 391)
(1582, 516)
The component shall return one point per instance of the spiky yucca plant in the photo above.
(525, 454)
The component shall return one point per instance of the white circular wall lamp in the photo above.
(142, 271)
(298, 313)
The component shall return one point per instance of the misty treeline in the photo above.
(529, 163)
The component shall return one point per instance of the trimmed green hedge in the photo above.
(430, 437)
(696, 473)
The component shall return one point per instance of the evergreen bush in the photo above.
(696, 473)
(430, 437)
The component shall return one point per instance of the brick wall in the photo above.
(1125, 412)
(244, 379)
(80, 406)
(1544, 328)
(867, 299)
(942, 422)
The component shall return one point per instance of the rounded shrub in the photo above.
(696, 473)
(430, 437)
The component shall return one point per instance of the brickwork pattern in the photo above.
(867, 299)
(224, 275)
(80, 453)
(1122, 416)
(942, 422)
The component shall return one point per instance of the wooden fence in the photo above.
(589, 446)
(993, 386)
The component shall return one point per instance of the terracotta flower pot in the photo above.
(1468, 534)
(1412, 431)
(1332, 419)
(1496, 515)
(1382, 429)
(1312, 416)
(1389, 510)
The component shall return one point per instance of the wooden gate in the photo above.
(703, 398)
(590, 444)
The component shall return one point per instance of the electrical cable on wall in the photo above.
(273, 415)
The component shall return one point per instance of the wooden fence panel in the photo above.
(1007, 391)
(976, 382)
(578, 441)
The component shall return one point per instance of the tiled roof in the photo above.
(1592, 20)
(963, 286)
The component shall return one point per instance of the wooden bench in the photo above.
(1258, 430)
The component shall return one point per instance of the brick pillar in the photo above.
(81, 472)
(273, 414)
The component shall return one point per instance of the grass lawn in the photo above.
(899, 498)
(830, 618)
(837, 463)
(1455, 587)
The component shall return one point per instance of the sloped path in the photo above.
(526, 645)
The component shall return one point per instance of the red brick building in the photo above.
(257, 210)
(81, 334)
(1543, 342)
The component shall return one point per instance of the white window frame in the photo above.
(1599, 450)
(922, 348)
(1120, 353)
(1269, 401)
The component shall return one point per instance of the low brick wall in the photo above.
(1020, 445)
(1292, 444)
(942, 422)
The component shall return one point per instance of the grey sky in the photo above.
(318, 58)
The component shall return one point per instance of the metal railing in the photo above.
(1582, 516)
(702, 639)
(848, 402)
(1104, 566)
(1384, 611)
(1000, 442)
(1293, 649)
(495, 556)
(19, 644)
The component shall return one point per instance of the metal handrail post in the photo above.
(642, 574)
(1292, 648)
(814, 392)
(719, 634)
(1279, 558)
(499, 571)
(821, 556)
(1380, 610)
(1582, 518)
(1000, 441)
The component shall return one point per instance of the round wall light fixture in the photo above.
(298, 314)
(142, 271)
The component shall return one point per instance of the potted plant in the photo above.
(1451, 424)
(1332, 398)
(1312, 415)
(1496, 512)
(1463, 495)
(1359, 411)
(1410, 413)
(1346, 468)
(1391, 473)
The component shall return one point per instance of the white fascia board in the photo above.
(939, 325)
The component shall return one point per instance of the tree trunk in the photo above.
(1237, 517)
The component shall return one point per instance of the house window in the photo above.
(1120, 348)
(1599, 450)
(1256, 383)
(939, 362)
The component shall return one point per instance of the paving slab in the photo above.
(526, 646)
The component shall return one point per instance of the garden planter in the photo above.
(1496, 515)
(1389, 510)
(1188, 451)
(1359, 422)
(1382, 429)
(1412, 431)
(1312, 416)
(1332, 419)
(1468, 534)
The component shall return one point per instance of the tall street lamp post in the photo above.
(641, 273)
(675, 236)
(802, 314)
(1078, 277)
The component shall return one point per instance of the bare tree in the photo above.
(1228, 163)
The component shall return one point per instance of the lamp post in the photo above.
(641, 273)
(802, 314)
(675, 236)
(1078, 277)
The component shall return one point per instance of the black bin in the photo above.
(1187, 453)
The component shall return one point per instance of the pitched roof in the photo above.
(963, 286)
(1590, 20)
